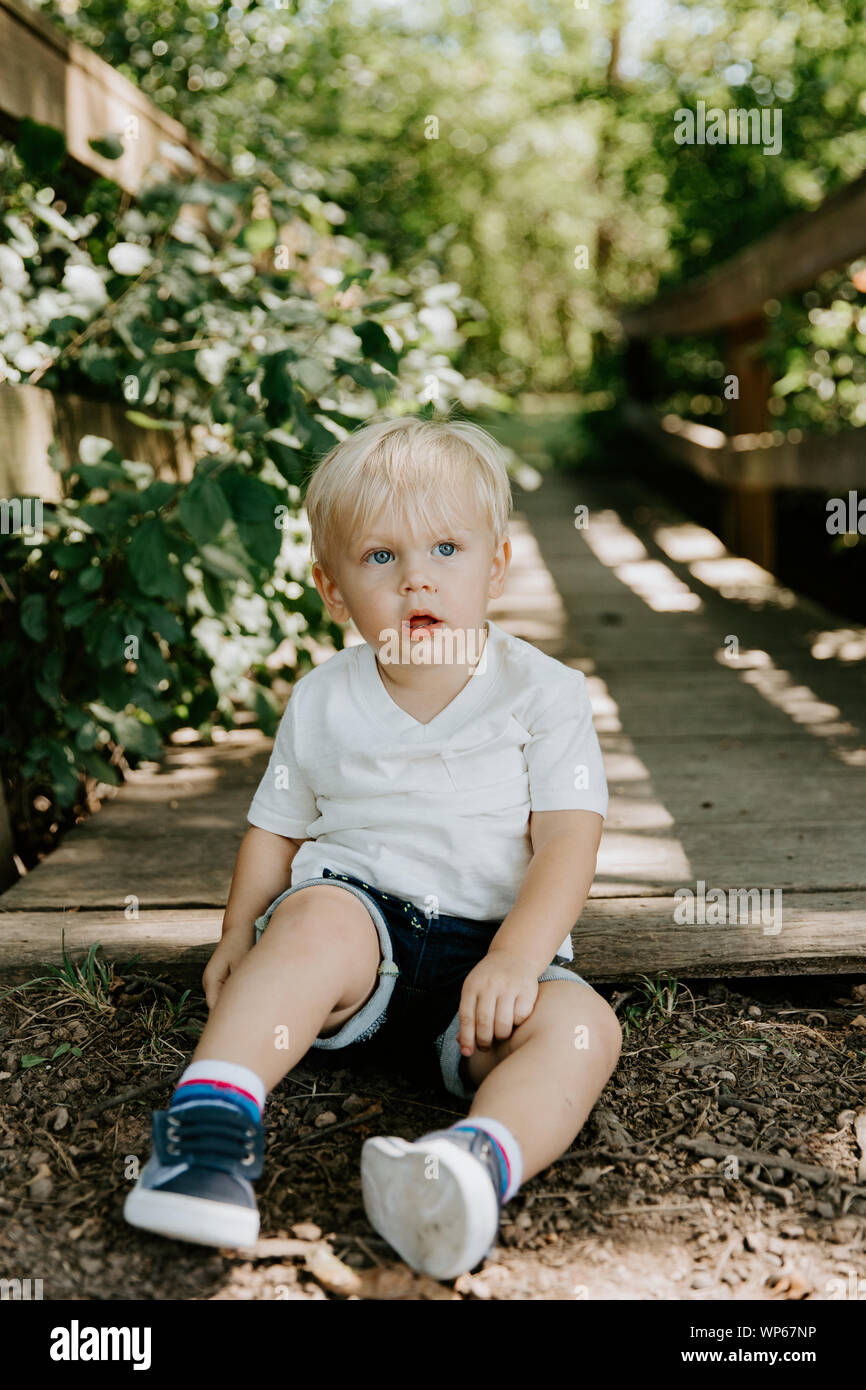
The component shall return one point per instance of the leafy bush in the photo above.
(150, 603)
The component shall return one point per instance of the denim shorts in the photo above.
(423, 965)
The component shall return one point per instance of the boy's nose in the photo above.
(416, 582)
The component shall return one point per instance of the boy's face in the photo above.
(383, 576)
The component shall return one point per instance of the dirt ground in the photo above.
(658, 1199)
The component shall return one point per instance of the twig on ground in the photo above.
(111, 1102)
(751, 1107)
(779, 1194)
(812, 1171)
(327, 1130)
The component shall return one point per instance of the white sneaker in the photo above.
(437, 1201)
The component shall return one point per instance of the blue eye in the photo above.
(453, 545)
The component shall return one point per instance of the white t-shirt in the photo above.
(434, 813)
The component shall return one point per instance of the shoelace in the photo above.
(196, 1135)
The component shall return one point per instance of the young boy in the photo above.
(435, 800)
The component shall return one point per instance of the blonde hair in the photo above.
(402, 466)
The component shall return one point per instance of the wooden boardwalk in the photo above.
(731, 714)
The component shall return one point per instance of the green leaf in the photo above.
(90, 579)
(204, 510)
(64, 773)
(149, 422)
(253, 508)
(259, 235)
(365, 376)
(149, 558)
(30, 1059)
(61, 1050)
(72, 556)
(288, 459)
(222, 565)
(108, 644)
(213, 591)
(375, 344)
(46, 678)
(160, 620)
(157, 494)
(278, 388)
(34, 617)
(109, 146)
(361, 276)
(137, 737)
(77, 614)
(99, 767)
(310, 430)
(151, 663)
(99, 474)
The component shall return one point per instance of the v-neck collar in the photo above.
(386, 712)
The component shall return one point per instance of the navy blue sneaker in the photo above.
(437, 1201)
(196, 1184)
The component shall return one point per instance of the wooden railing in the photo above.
(50, 78)
(751, 459)
(57, 81)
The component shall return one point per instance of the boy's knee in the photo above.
(334, 925)
(587, 1019)
(605, 1030)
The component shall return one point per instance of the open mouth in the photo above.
(422, 622)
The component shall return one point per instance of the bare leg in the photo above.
(544, 1080)
(314, 967)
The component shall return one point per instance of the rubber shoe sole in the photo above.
(195, 1219)
(441, 1219)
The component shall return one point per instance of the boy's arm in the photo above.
(262, 872)
(555, 885)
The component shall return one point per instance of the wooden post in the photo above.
(639, 370)
(8, 871)
(749, 524)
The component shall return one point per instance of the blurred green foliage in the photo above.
(506, 134)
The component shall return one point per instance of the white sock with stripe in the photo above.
(507, 1150)
(208, 1080)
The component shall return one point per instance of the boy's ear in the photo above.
(330, 595)
(499, 567)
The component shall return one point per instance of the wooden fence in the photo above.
(752, 459)
(51, 78)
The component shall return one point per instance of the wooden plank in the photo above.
(613, 941)
(723, 799)
(804, 856)
(135, 846)
(789, 258)
(818, 932)
(182, 941)
(31, 418)
(734, 712)
(51, 78)
(830, 464)
(28, 424)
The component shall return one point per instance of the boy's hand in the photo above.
(498, 994)
(228, 955)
